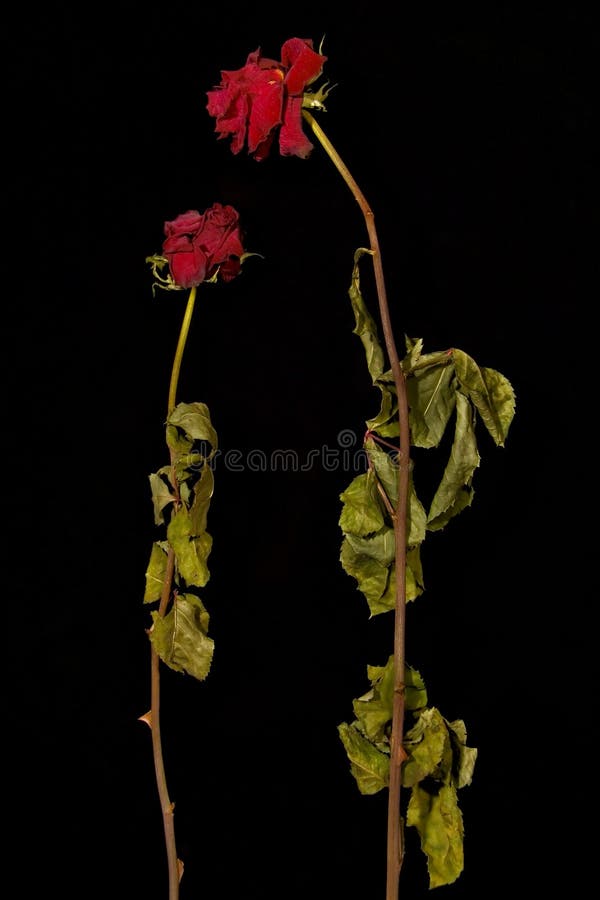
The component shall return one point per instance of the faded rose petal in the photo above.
(262, 151)
(292, 140)
(263, 61)
(304, 65)
(233, 118)
(187, 262)
(220, 237)
(229, 269)
(266, 108)
(230, 105)
(252, 102)
(185, 223)
(178, 243)
(248, 101)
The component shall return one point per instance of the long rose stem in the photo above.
(395, 841)
(166, 805)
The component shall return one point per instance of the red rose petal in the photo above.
(292, 140)
(266, 109)
(185, 223)
(188, 268)
(304, 64)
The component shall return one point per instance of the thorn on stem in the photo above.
(147, 718)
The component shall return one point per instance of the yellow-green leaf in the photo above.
(374, 709)
(431, 397)
(162, 493)
(454, 492)
(464, 758)
(156, 572)
(369, 766)
(414, 582)
(415, 691)
(425, 744)
(365, 327)
(490, 392)
(191, 550)
(438, 821)
(194, 420)
(371, 575)
(180, 638)
(203, 491)
(361, 513)
(386, 469)
(380, 546)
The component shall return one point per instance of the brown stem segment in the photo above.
(395, 842)
(167, 807)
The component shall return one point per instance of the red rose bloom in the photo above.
(199, 244)
(251, 103)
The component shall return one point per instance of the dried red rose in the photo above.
(197, 245)
(251, 103)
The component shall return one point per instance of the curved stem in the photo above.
(167, 807)
(395, 842)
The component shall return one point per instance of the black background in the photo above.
(471, 137)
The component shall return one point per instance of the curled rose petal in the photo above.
(266, 109)
(187, 263)
(292, 140)
(248, 101)
(185, 223)
(230, 107)
(303, 64)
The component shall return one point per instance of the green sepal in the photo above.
(180, 637)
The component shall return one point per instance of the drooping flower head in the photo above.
(251, 103)
(200, 247)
